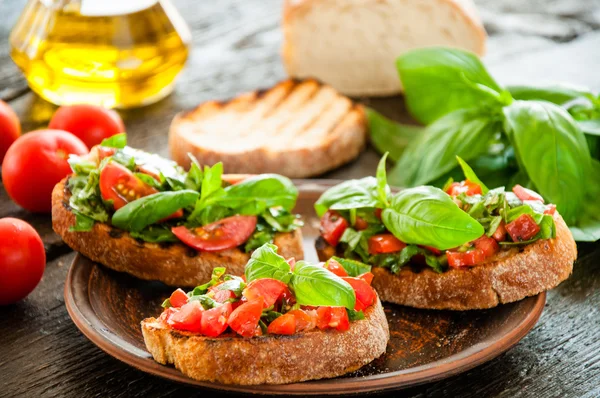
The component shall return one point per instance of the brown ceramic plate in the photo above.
(425, 345)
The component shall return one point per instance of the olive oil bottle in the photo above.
(113, 53)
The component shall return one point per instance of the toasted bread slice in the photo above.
(270, 359)
(172, 263)
(511, 275)
(296, 128)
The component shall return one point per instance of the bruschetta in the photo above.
(458, 248)
(283, 322)
(142, 214)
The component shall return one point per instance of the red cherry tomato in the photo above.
(365, 295)
(188, 318)
(335, 267)
(214, 321)
(385, 243)
(305, 320)
(333, 226)
(10, 128)
(266, 289)
(360, 224)
(523, 228)
(526, 194)
(22, 260)
(90, 123)
(500, 232)
(244, 319)
(550, 209)
(178, 298)
(220, 235)
(119, 184)
(332, 318)
(367, 277)
(285, 324)
(467, 187)
(35, 163)
(465, 259)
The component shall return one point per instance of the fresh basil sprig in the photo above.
(115, 141)
(266, 263)
(352, 267)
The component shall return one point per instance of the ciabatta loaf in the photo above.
(296, 128)
(353, 44)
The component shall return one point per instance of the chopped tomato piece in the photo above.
(188, 318)
(500, 232)
(488, 246)
(360, 224)
(335, 267)
(550, 209)
(526, 194)
(119, 184)
(332, 317)
(432, 249)
(178, 298)
(523, 228)
(333, 226)
(467, 187)
(305, 320)
(365, 295)
(221, 296)
(266, 290)
(214, 321)
(378, 213)
(224, 234)
(367, 277)
(244, 319)
(385, 243)
(285, 324)
(291, 262)
(469, 258)
(104, 152)
(166, 314)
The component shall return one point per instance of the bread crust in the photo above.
(270, 359)
(174, 263)
(510, 276)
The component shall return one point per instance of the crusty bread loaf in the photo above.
(353, 44)
(296, 128)
(510, 276)
(232, 359)
(173, 263)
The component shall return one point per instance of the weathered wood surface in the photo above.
(236, 48)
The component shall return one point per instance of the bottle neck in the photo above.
(105, 8)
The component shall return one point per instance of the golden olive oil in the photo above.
(113, 60)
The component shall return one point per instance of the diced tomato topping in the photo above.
(365, 295)
(214, 321)
(305, 320)
(467, 187)
(378, 213)
(188, 318)
(104, 152)
(469, 258)
(488, 246)
(523, 228)
(333, 226)
(526, 194)
(367, 277)
(221, 296)
(220, 235)
(178, 298)
(335, 267)
(500, 232)
(285, 324)
(332, 317)
(266, 290)
(119, 184)
(360, 224)
(244, 319)
(432, 249)
(166, 314)
(550, 209)
(385, 243)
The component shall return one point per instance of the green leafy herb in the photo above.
(383, 190)
(389, 136)
(215, 279)
(254, 195)
(470, 174)
(352, 267)
(349, 195)
(83, 223)
(355, 315)
(266, 263)
(115, 141)
(314, 285)
(155, 233)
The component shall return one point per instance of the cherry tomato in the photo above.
(305, 320)
(35, 163)
(10, 128)
(335, 267)
(523, 228)
(224, 234)
(333, 226)
(119, 184)
(550, 209)
(367, 277)
(22, 260)
(365, 295)
(178, 298)
(467, 187)
(464, 259)
(285, 324)
(188, 318)
(221, 296)
(214, 321)
(244, 319)
(360, 224)
(332, 317)
(89, 123)
(500, 232)
(488, 246)
(385, 243)
(266, 289)
(526, 194)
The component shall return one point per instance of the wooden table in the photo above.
(236, 48)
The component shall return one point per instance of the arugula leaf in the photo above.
(428, 216)
(383, 190)
(314, 285)
(351, 194)
(352, 267)
(81, 166)
(389, 136)
(553, 152)
(136, 215)
(266, 263)
(438, 81)
(85, 196)
(470, 175)
(115, 141)
(409, 252)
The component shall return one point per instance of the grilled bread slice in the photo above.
(172, 263)
(353, 44)
(296, 128)
(509, 276)
(270, 359)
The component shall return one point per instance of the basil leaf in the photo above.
(195, 176)
(470, 174)
(351, 194)
(81, 166)
(389, 136)
(235, 284)
(352, 267)
(155, 233)
(464, 133)
(555, 93)
(428, 216)
(259, 238)
(281, 220)
(517, 212)
(591, 127)
(254, 195)
(553, 151)
(587, 227)
(438, 81)
(149, 180)
(266, 263)
(116, 141)
(383, 190)
(83, 223)
(314, 285)
(136, 215)
(206, 302)
(215, 278)
(85, 196)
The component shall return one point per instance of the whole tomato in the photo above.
(10, 128)
(22, 260)
(35, 163)
(90, 123)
